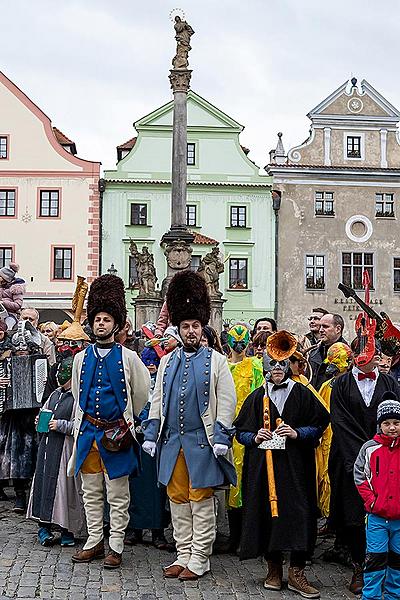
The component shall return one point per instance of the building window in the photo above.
(384, 205)
(7, 203)
(3, 147)
(138, 214)
(238, 273)
(396, 274)
(49, 203)
(353, 146)
(324, 204)
(238, 216)
(133, 274)
(315, 272)
(195, 262)
(62, 263)
(5, 256)
(353, 266)
(191, 215)
(191, 154)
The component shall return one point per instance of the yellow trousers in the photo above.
(93, 463)
(180, 489)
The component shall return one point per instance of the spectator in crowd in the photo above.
(377, 477)
(314, 324)
(55, 498)
(264, 324)
(210, 339)
(331, 331)
(46, 346)
(147, 509)
(12, 290)
(49, 329)
(259, 343)
(384, 364)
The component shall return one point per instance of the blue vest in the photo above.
(103, 396)
(186, 395)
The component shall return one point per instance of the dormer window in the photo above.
(3, 147)
(353, 146)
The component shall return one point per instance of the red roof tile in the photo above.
(203, 239)
(127, 145)
(61, 137)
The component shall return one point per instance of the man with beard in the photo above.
(190, 426)
(295, 414)
(110, 385)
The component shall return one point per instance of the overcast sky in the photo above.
(96, 66)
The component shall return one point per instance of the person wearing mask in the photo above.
(46, 346)
(247, 373)
(313, 335)
(331, 331)
(292, 412)
(190, 428)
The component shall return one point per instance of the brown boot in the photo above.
(173, 571)
(86, 556)
(297, 582)
(188, 575)
(274, 576)
(357, 581)
(112, 560)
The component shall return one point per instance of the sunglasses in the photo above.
(314, 318)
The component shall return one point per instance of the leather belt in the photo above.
(102, 423)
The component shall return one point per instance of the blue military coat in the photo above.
(185, 398)
(103, 396)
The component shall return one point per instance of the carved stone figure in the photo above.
(183, 33)
(210, 268)
(178, 254)
(145, 269)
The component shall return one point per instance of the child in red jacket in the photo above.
(377, 477)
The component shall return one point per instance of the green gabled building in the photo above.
(227, 200)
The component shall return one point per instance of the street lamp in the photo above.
(112, 270)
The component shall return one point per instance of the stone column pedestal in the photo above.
(146, 309)
(216, 313)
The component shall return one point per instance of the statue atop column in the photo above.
(145, 269)
(210, 268)
(183, 33)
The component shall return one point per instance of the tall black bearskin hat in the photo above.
(107, 294)
(187, 298)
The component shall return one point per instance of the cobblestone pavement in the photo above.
(27, 570)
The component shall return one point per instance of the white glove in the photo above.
(149, 448)
(220, 450)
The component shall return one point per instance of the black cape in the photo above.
(294, 470)
(353, 424)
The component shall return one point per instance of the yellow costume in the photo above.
(322, 452)
(247, 376)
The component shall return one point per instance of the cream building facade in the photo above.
(49, 204)
(339, 208)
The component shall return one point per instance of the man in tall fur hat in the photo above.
(190, 426)
(110, 385)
